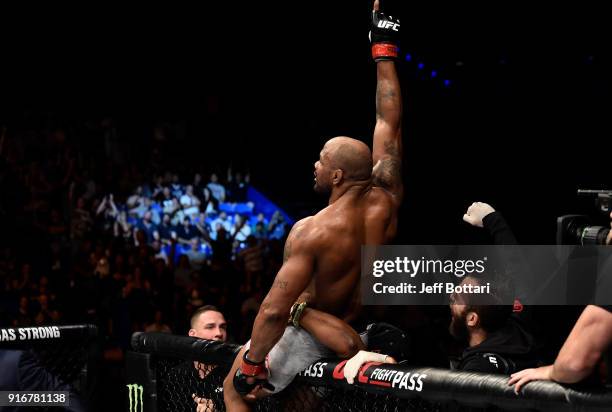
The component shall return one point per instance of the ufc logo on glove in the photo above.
(386, 24)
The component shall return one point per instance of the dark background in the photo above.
(524, 123)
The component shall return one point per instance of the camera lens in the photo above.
(592, 235)
(579, 230)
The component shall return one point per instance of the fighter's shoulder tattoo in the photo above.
(287, 252)
(391, 148)
(281, 284)
(297, 232)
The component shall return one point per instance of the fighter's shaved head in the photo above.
(351, 155)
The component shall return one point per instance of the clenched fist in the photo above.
(476, 212)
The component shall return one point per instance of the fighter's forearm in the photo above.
(388, 95)
(571, 367)
(268, 328)
(584, 347)
(564, 373)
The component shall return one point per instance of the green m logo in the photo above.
(135, 392)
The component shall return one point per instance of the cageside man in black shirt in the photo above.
(497, 341)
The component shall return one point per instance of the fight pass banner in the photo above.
(154, 369)
(466, 388)
(486, 275)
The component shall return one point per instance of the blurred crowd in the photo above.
(91, 237)
(130, 239)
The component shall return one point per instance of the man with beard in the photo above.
(497, 341)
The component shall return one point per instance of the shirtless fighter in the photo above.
(323, 252)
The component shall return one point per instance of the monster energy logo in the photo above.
(134, 400)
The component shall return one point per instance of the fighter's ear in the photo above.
(192, 332)
(337, 176)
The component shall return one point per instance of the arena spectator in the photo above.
(175, 187)
(240, 230)
(136, 199)
(190, 202)
(221, 245)
(260, 219)
(259, 231)
(209, 203)
(107, 213)
(171, 205)
(217, 190)
(122, 229)
(197, 256)
(237, 187)
(176, 212)
(159, 252)
(143, 207)
(157, 211)
(198, 185)
(223, 221)
(201, 225)
(165, 230)
(212, 235)
(186, 232)
(166, 199)
(158, 188)
(158, 324)
(147, 226)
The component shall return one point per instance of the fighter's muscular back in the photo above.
(323, 252)
(363, 216)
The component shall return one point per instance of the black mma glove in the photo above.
(384, 36)
(256, 372)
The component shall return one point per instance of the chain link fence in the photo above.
(181, 373)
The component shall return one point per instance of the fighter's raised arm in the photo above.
(322, 252)
(387, 145)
